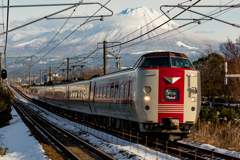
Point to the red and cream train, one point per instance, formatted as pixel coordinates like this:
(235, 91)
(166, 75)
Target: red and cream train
(161, 94)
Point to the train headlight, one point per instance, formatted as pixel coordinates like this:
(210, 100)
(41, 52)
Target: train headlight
(147, 98)
(147, 89)
(193, 99)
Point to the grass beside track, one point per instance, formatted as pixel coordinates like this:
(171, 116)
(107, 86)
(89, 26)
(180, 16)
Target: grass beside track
(221, 135)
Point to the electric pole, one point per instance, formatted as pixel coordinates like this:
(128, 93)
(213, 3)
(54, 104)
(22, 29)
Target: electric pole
(33, 77)
(50, 74)
(68, 68)
(29, 76)
(40, 77)
(105, 51)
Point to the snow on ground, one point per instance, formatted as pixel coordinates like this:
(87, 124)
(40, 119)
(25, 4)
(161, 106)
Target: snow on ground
(107, 143)
(114, 144)
(22, 145)
(210, 147)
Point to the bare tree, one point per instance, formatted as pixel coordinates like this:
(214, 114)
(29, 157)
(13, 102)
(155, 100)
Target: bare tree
(231, 51)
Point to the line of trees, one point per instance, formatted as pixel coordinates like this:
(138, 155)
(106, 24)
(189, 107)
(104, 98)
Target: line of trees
(5, 107)
(211, 66)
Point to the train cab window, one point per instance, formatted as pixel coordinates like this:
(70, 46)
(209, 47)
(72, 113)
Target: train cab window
(112, 91)
(108, 91)
(72, 94)
(116, 91)
(181, 62)
(104, 92)
(121, 91)
(125, 90)
(97, 92)
(155, 62)
(100, 92)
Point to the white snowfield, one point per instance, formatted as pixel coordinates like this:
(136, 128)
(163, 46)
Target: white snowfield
(22, 145)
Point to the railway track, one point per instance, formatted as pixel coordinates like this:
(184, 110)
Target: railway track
(71, 145)
(176, 149)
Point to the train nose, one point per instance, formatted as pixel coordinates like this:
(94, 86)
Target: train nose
(171, 97)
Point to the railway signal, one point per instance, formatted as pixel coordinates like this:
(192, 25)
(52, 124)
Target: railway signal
(4, 73)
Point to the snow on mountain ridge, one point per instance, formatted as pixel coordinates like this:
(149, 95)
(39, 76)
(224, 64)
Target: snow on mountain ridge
(139, 11)
(116, 28)
(17, 37)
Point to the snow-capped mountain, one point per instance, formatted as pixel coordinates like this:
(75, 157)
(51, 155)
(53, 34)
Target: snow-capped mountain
(116, 29)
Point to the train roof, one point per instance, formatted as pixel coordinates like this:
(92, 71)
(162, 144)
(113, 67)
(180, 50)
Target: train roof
(165, 53)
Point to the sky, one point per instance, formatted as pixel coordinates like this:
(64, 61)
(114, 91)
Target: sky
(212, 29)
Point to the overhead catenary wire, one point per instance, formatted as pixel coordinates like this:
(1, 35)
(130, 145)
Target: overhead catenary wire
(226, 10)
(5, 48)
(149, 22)
(155, 27)
(57, 32)
(151, 37)
(71, 33)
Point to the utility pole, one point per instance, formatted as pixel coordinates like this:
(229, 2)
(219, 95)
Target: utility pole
(26, 82)
(50, 74)
(40, 77)
(104, 57)
(68, 68)
(33, 77)
(105, 51)
(29, 76)
(22, 78)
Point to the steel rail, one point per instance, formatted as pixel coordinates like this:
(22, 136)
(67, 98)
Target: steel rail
(50, 136)
(173, 147)
(85, 144)
(217, 154)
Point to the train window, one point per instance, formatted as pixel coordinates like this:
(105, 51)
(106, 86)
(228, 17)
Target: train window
(137, 63)
(100, 92)
(104, 92)
(116, 91)
(96, 92)
(112, 91)
(74, 94)
(181, 62)
(121, 90)
(155, 62)
(108, 91)
(125, 90)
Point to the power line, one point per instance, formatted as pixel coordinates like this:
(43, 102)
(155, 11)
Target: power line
(71, 33)
(179, 28)
(57, 32)
(156, 27)
(150, 22)
(6, 36)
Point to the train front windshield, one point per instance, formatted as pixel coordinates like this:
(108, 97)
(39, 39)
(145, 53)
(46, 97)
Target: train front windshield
(156, 62)
(153, 62)
(181, 62)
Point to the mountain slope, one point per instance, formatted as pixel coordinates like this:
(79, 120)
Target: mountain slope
(113, 29)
